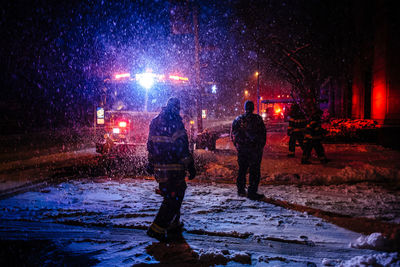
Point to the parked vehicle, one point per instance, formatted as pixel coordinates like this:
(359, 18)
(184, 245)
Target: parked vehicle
(128, 104)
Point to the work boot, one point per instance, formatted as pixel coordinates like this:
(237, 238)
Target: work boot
(305, 161)
(175, 234)
(290, 155)
(242, 193)
(255, 196)
(159, 236)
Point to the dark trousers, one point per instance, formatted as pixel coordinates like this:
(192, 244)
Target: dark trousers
(170, 210)
(309, 144)
(249, 159)
(292, 141)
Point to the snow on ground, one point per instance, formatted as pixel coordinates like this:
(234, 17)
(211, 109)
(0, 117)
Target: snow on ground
(52, 158)
(357, 200)
(209, 210)
(382, 259)
(371, 241)
(20, 172)
(362, 180)
(349, 162)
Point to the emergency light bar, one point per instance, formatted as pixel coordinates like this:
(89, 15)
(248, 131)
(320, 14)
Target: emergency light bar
(146, 79)
(122, 75)
(178, 78)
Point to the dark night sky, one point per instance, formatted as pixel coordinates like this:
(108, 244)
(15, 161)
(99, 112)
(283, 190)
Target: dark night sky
(55, 54)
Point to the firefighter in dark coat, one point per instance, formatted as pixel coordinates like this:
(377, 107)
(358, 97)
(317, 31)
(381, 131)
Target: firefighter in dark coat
(248, 134)
(169, 158)
(313, 137)
(296, 128)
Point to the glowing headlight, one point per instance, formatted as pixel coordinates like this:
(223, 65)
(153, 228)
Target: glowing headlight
(146, 79)
(122, 124)
(116, 130)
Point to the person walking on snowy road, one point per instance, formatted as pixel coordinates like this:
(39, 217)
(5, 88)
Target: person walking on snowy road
(169, 158)
(248, 134)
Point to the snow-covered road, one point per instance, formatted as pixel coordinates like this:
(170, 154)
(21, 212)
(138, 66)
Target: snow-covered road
(107, 220)
(101, 219)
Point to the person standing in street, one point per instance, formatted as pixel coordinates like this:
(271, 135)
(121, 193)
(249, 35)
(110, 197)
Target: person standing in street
(248, 134)
(296, 128)
(169, 158)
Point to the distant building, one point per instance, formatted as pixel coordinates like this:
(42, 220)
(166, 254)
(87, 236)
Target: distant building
(375, 90)
(376, 73)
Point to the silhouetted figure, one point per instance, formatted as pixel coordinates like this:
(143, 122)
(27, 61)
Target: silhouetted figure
(248, 134)
(169, 158)
(296, 128)
(313, 137)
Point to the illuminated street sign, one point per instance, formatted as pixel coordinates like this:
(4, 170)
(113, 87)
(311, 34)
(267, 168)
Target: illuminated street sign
(100, 115)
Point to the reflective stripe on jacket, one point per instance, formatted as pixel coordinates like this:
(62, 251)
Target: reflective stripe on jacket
(297, 125)
(314, 130)
(167, 146)
(167, 139)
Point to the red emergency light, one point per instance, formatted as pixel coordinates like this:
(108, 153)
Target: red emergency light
(122, 124)
(122, 75)
(178, 78)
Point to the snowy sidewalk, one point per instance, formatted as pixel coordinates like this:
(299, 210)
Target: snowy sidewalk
(107, 219)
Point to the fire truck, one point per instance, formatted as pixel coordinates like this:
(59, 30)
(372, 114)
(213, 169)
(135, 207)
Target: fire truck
(275, 110)
(129, 102)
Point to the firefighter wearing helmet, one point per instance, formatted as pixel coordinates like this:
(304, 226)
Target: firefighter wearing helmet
(169, 158)
(296, 128)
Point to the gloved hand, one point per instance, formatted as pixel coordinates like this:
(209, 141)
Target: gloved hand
(192, 173)
(150, 168)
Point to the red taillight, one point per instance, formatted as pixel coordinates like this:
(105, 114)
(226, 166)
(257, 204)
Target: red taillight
(122, 124)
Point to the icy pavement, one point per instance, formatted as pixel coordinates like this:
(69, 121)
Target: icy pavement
(106, 220)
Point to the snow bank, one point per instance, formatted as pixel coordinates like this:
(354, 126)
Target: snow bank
(363, 172)
(354, 172)
(203, 157)
(383, 259)
(217, 171)
(217, 256)
(280, 260)
(212, 255)
(372, 241)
